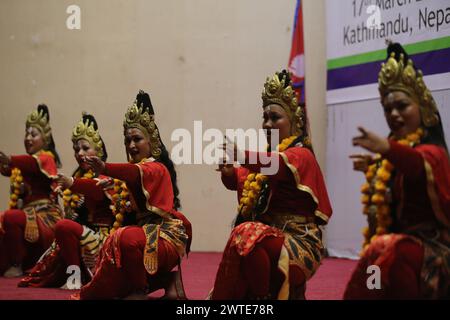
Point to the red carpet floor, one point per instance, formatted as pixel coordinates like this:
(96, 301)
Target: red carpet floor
(198, 277)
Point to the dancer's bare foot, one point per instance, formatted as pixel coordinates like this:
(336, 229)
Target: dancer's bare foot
(14, 272)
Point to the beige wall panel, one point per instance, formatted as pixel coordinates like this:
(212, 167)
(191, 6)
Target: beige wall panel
(199, 59)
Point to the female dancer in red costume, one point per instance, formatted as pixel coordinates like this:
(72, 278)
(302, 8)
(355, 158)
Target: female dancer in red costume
(276, 244)
(138, 258)
(27, 228)
(407, 194)
(88, 216)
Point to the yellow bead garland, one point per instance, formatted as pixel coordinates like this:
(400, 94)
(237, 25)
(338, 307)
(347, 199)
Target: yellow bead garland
(375, 196)
(72, 200)
(120, 203)
(17, 185)
(253, 184)
(16, 195)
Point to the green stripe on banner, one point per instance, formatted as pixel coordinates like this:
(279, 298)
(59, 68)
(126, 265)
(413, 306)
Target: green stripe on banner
(414, 48)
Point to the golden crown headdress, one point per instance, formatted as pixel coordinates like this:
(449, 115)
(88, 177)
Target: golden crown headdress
(39, 120)
(85, 130)
(400, 76)
(280, 92)
(138, 117)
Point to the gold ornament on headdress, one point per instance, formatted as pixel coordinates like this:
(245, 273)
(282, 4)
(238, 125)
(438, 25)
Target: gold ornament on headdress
(275, 93)
(142, 120)
(398, 76)
(39, 120)
(86, 131)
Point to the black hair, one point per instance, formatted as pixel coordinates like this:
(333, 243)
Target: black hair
(51, 145)
(304, 139)
(91, 120)
(435, 135)
(284, 75)
(164, 158)
(143, 100)
(398, 50)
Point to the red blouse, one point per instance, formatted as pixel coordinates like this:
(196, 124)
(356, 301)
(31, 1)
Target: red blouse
(149, 182)
(297, 187)
(37, 171)
(421, 185)
(96, 200)
(151, 187)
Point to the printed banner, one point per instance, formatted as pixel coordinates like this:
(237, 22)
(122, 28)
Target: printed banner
(357, 31)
